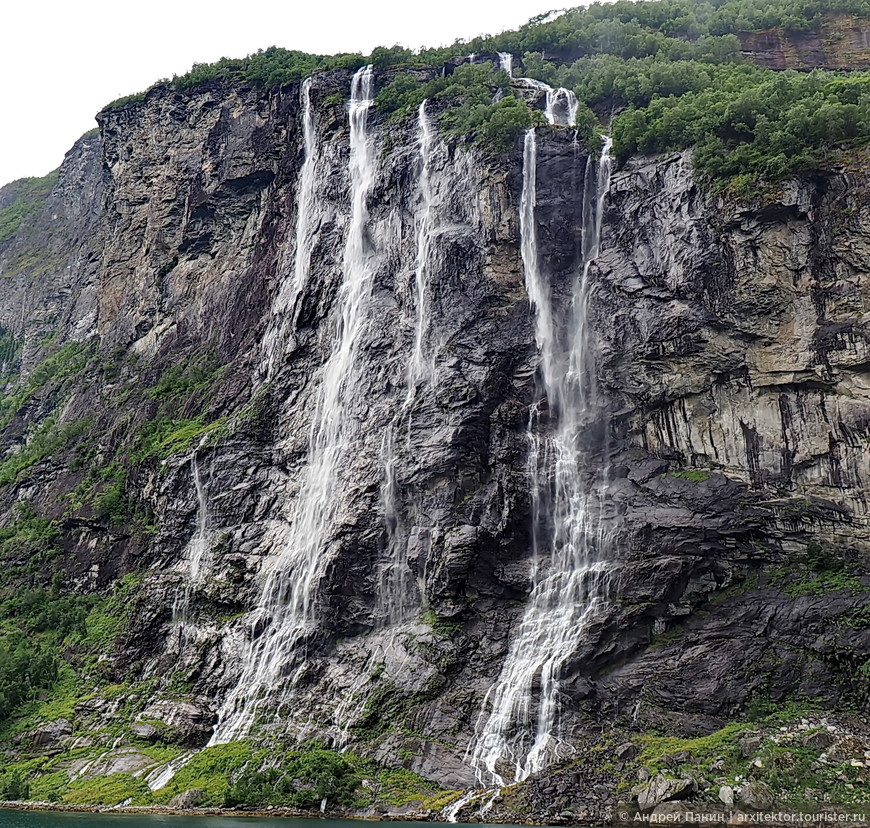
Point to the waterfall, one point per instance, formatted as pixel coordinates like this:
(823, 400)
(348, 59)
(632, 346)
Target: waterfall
(285, 613)
(421, 364)
(561, 104)
(196, 550)
(506, 63)
(397, 595)
(199, 544)
(285, 301)
(305, 197)
(562, 107)
(571, 562)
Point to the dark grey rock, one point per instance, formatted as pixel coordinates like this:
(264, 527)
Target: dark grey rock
(187, 799)
(51, 735)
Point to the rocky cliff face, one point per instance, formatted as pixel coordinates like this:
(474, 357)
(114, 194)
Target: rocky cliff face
(839, 42)
(731, 348)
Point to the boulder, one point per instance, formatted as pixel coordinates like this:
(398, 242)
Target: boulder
(51, 735)
(756, 795)
(145, 731)
(846, 748)
(817, 739)
(627, 751)
(122, 760)
(749, 746)
(184, 723)
(188, 799)
(663, 788)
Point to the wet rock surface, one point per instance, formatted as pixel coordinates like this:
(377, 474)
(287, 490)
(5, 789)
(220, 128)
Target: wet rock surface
(732, 350)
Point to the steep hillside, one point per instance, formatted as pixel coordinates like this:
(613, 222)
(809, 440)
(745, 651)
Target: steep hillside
(383, 435)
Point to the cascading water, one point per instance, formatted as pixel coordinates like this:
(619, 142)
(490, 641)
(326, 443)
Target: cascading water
(506, 63)
(199, 545)
(285, 611)
(290, 289)
(568, 475)
(561, 104)
(421, 365)
(395, 591)
(397, 596)
(196, 551)
(562, 107)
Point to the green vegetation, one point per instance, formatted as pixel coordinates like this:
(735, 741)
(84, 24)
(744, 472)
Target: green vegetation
(13, 786)
(657, 750)
(46, 440)
(693, 475)
(266, 68)
(302, 780)
(47, 635)
(165, 436)
(108, 790)
(10, 352)
(179, 382)
(776, 756)
(824, 583)
(60, 365)
(230, 775)
(753, 123)
(817, 572)
(630, 29)
(30, 194)
(211, 771)
(482, 104)
(180, 390)
(673, 72)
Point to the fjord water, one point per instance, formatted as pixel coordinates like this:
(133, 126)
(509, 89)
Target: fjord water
(571, 562)
(64, 819)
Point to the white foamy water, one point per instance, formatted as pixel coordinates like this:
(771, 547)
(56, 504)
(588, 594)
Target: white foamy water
(573, 560)
(561, 104)
(285, 612)
(285, 302)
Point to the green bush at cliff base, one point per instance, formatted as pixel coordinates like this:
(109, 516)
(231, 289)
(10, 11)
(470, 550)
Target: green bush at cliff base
(211, 771)
(303, 779)
(46, 637)
(108, 790)
(14, 787)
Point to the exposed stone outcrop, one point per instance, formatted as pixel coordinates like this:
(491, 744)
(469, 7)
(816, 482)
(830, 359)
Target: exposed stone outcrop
(732, 349)
(840, 41)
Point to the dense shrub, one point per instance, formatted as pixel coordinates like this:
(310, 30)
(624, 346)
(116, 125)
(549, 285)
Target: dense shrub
(302, 780)
(762, 123)
(667, 73)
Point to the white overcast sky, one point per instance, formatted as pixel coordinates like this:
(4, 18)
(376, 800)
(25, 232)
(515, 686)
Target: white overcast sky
(62, 60)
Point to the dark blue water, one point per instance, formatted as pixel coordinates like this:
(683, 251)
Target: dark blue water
(63, 819)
